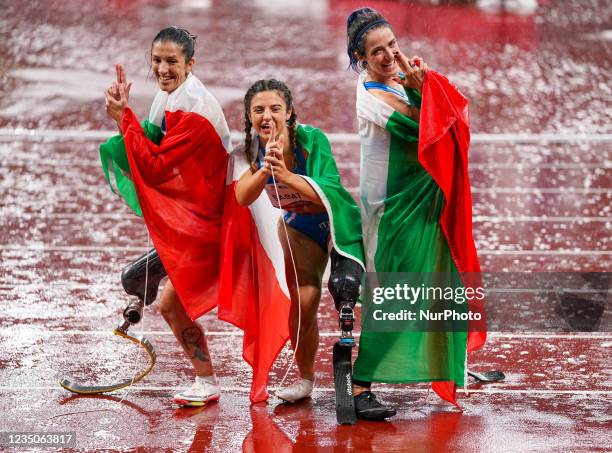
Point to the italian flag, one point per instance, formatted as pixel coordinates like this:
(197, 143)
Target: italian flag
(173, 170)
(417, 215)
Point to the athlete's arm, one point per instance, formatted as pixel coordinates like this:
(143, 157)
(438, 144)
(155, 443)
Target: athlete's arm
(397, 104)
(274, 157)
(250, 185)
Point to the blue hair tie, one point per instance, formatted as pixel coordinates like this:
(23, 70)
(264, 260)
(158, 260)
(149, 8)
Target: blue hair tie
(353, 45)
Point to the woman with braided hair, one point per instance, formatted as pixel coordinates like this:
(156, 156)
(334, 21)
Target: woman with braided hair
(293, 163)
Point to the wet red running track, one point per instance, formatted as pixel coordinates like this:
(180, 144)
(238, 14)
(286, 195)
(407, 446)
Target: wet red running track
(541, 170)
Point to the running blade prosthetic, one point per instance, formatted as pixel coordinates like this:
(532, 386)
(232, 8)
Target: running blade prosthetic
(95, 389)
(343, 369)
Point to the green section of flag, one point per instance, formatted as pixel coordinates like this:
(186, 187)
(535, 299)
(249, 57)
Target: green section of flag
(117, 169)
(410, 240)
(345, 215)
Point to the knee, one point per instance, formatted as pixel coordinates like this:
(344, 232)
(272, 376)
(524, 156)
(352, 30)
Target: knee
(168, 304)
(309, 306)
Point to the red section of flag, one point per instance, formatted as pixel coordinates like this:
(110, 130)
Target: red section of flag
(250, 295)
(180, 186)
(444, 138)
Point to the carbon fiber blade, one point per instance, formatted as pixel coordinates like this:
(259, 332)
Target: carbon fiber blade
(96, 389)
(343, 383)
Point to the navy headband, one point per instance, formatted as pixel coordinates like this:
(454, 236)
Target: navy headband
(353, 45)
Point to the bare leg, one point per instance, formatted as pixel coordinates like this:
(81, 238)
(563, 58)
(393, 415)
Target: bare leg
(189, 334)
(310, 261)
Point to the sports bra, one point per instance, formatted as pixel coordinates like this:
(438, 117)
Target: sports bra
(381, 86)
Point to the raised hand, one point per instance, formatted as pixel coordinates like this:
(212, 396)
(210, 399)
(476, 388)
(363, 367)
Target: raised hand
(122, 80)
(414, 70)
(116, 105)
(275, 160)
(117, 95)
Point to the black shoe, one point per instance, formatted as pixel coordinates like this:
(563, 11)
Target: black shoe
(368, 408)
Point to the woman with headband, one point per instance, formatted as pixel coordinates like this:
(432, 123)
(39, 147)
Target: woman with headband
(294, 165)
(416, 208)
(173, 171)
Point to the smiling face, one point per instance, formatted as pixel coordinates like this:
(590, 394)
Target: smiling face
(169, 66)
(379, 55)
(268, 107)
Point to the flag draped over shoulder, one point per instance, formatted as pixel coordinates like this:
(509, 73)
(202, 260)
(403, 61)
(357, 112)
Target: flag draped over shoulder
(207, 243)
(323, 176)
(417, 218)
(180, 185)
(444, 139)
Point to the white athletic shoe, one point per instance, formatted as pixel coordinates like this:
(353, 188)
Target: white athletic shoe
(296, 391)
(203, 390)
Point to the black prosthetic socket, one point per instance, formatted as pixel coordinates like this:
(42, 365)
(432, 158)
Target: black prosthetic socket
(133, 279)
(344, 281)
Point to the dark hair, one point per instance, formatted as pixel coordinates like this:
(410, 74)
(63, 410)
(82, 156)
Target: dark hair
(359, 23)
(179, 36)
(258, 87)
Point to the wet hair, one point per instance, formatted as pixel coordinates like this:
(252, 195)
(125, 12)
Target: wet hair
(259, 87)
(180, 37)
(358, 25)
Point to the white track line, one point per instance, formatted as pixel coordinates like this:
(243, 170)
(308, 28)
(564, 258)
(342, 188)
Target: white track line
(115, 286)
(103, 190)
(95, 163)
(528, 190)
(539, 166)
(544, 252)
(121, 249)
(543, 219)
(380, 388)
(238, 333)
(336, 137)
(127, 216)
(542, 190)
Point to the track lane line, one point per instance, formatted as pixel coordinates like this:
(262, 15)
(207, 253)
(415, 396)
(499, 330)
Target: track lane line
(334, 137)
(120, 249)
(239, 333)
(380, 388)
(128, 216)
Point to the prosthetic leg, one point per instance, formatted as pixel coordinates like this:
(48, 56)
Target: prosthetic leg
(134, 278)
(136, 281)
(344, 283)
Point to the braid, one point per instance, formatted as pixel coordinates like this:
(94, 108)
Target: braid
(248, 139)
(248, 97)
(292, 125)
